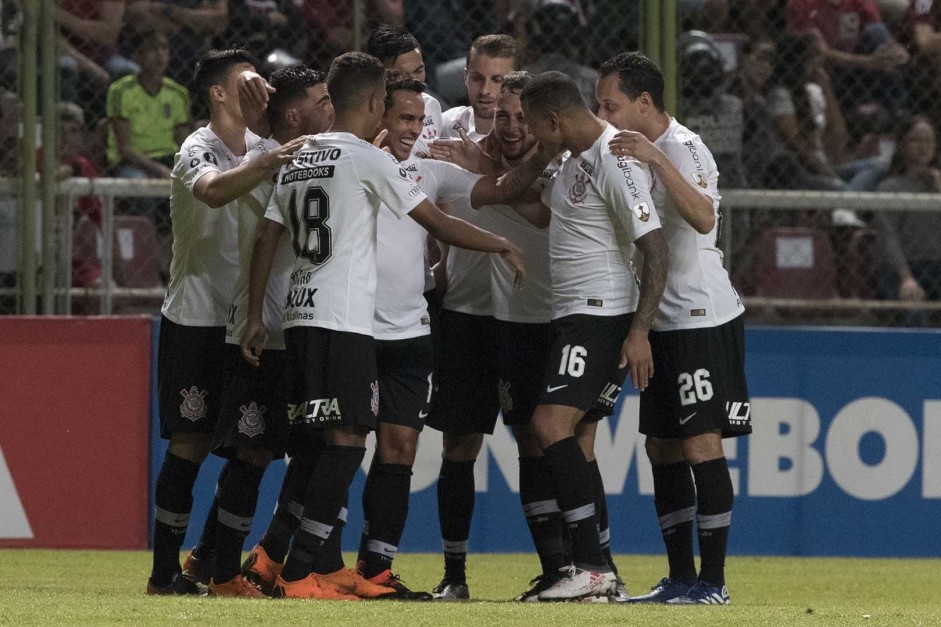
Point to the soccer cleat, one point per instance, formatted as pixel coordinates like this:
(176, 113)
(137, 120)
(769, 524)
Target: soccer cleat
(238, 586)
(351, 581)
(617, 595)
(703, 593)
(196, 569)
(580, 583)
(665, 590)
(179, 585)
(261, 570)
(537, 585)
(451, 591)
(389, 579)
(310, 587)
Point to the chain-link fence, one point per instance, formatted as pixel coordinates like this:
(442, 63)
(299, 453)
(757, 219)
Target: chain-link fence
(830, 97)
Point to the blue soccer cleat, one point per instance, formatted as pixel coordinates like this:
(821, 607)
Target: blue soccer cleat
(664, 592)
(703, 593)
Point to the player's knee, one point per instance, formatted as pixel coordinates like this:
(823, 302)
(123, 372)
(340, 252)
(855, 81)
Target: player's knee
(462, 448)
(397, 449)
(703, 448)
(526, 441)
(661, 452)
(255, 456)
(192, 447)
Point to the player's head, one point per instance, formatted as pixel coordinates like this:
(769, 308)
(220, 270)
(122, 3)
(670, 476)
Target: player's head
(357, 85)
(216, 78)
(489, 59)
(552, 106)
(300, 104)
(630, 87)
(405, 113)
(397, 49)
(151, 51)
(509, 126)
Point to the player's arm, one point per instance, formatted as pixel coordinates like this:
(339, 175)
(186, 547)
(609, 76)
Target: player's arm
(457, 232)
(695, 207)
(636, 352)
(491, 190)
(266, 245)
(217, 189)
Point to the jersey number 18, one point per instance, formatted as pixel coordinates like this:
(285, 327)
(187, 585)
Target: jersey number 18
(313, 242)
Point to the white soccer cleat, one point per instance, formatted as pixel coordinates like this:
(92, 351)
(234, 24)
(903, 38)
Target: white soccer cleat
(576, 583)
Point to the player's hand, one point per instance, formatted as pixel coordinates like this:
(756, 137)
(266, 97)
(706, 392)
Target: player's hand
(468, 154)
(636, 355)
(254, 90)
(634, 144)
(380, 137)
(253, 342)
(440, 272)
(514, 257)
(274, 159)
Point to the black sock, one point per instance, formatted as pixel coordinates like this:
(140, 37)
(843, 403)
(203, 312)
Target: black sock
(543, 516)
(327, 491)
(207, 539)
(238, 496)
(713, 517)
(329, 559)
(675, 500)
(290, 507)
(573, 489)
(455, 510)
(385, 508)
(173, 501)
(601, 512)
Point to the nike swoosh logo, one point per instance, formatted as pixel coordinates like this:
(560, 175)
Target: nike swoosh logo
(550, 389)
(422, 415)
(683, 421)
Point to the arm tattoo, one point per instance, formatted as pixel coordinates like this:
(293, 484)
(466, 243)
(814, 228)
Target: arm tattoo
(653, 279)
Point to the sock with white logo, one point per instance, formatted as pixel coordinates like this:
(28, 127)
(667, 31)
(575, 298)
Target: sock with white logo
(713, 517)
(330, 558)
(238, 495)
(573, 489)
(542, 512)
(385, 508)
(207, 540)
(601, 512)
(290, 507)
(675, 500)
(173, 501)
(455, 510)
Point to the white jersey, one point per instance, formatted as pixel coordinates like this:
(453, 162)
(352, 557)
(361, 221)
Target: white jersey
(401, 309)
(600, 205)
(431, 126)
(698, 292)
(532, 304)
(251, 208)
(463, 117)
(328, 198)
(205, 247)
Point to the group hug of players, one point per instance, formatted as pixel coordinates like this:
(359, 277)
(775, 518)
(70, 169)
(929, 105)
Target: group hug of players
(575, 251)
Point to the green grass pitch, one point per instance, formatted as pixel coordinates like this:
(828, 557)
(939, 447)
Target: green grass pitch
(98, 587)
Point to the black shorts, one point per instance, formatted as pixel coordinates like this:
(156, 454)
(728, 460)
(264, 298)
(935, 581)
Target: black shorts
(331, 381)
(522, 352)
(189, 377)
(699, 383)
(465, 397)
(584, 358)
(254, 413)
(405, 380)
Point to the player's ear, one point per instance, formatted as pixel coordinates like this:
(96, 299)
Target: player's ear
(291, 117)
(217, 93)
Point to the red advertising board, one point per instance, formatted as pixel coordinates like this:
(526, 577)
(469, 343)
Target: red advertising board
(74, 430)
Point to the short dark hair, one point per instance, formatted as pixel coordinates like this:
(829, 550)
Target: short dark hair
(352, 75)
(387, 42)
(291, 84)
(397, 80)
(636, 74)
(496, 46)
(516, 81)
(552, 91)
(215, 64)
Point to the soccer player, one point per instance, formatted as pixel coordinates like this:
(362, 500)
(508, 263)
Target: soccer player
(328, 199)
(600, 204)
(699, 394)
(252, 426)
(206, 180)
(403, 341)
(466, 400)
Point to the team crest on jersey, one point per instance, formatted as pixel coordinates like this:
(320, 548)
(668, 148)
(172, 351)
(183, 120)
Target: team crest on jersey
(252, 422)
(374, 402)
(642, 211)
(700, 180)
(506, 400)
(193, 407)
(579, 188)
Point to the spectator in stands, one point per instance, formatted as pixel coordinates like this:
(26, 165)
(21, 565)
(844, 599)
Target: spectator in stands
(149, 116)
(331, 25)
(856, 43)
(909, 240)
(923, 33)
(189, 24)
(263, 26)
(555, 33)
